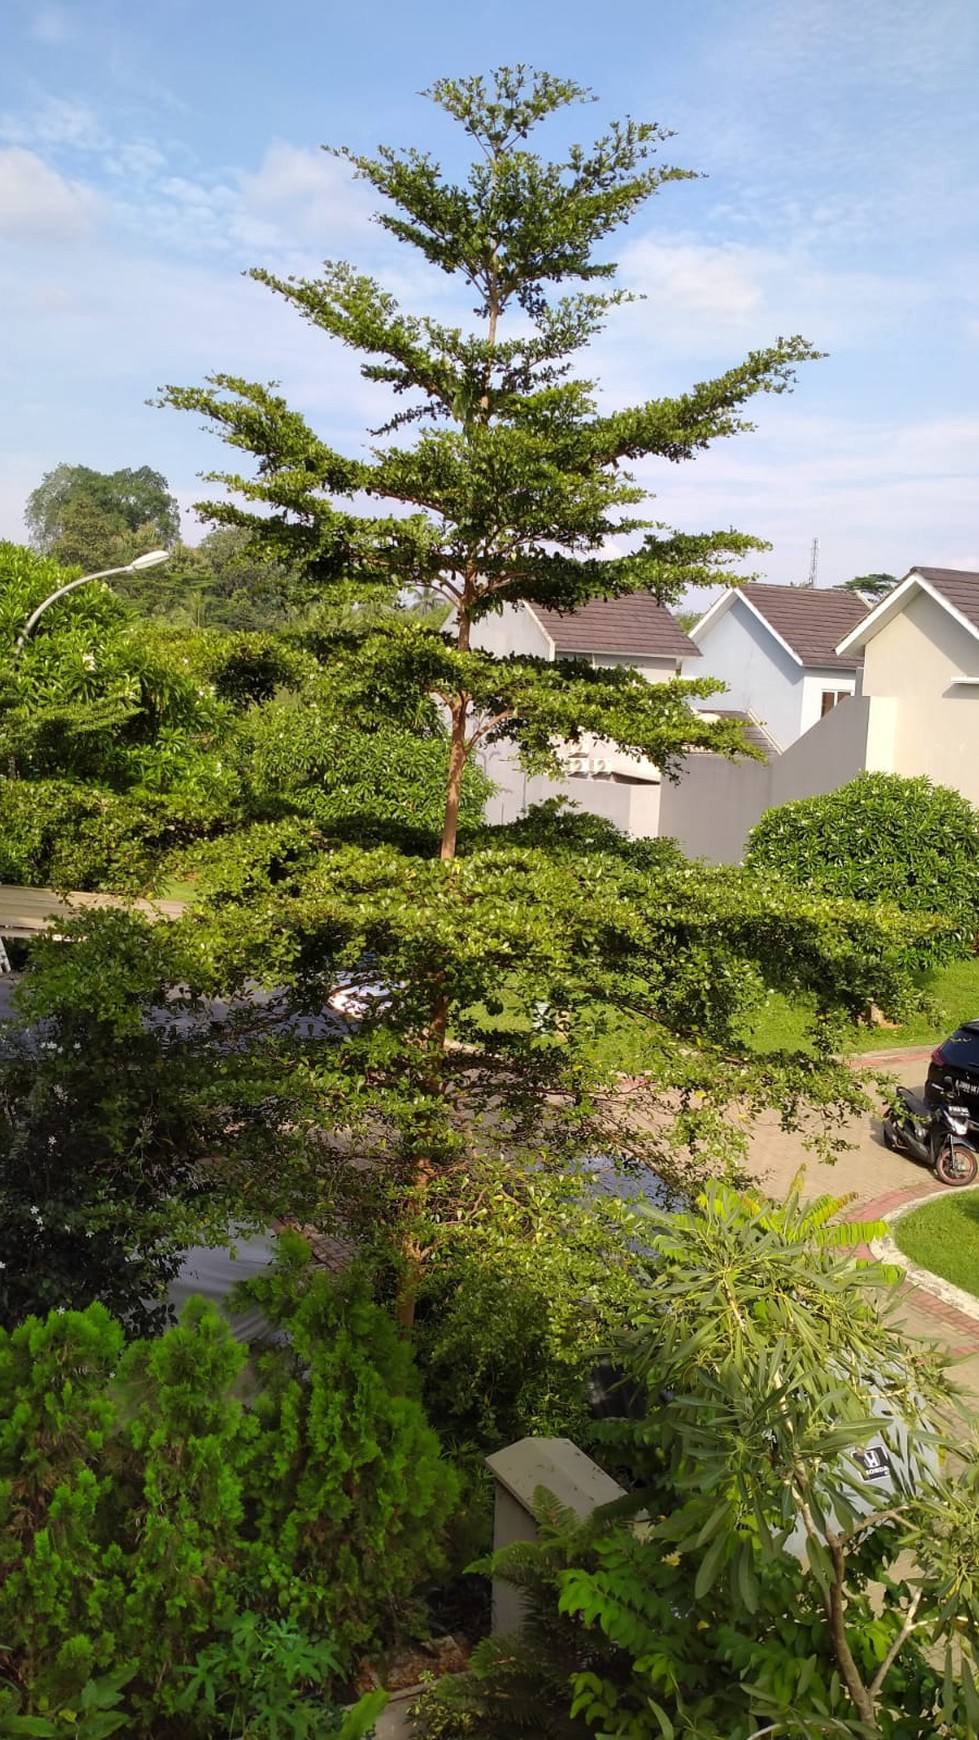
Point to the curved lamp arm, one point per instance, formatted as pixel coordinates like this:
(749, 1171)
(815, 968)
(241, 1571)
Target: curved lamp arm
(151, 559)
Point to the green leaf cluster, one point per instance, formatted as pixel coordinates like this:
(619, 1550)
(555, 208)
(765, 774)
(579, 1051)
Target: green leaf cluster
(753, 1575)
(237, 1559)
(882, 837)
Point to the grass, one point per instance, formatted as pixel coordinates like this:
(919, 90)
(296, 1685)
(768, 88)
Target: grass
(179, 891)
(781, 1023)
(954, 990)
(943, 1237)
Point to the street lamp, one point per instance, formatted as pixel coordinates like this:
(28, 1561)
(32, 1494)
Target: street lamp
(152, 559)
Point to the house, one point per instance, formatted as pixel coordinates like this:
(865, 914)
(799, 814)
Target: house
(775, 648)
(915, 711)
(634, 630)
(920, 649)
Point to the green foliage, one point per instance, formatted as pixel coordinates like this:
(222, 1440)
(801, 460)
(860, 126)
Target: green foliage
(132, 743)
(264, 1682)
(66, 835)
(219, 583)
(515, 484)
(228, 1562)
(732, 1587)
(882, 838)
(92, 1715)
(346, 1472)
(872, 587)
(106, 1117)
(101, 519)
(528, 1281)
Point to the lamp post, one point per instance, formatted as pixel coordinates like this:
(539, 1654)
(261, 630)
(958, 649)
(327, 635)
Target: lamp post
(152, 559)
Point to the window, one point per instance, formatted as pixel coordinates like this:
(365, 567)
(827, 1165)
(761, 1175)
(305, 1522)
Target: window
(830, 699)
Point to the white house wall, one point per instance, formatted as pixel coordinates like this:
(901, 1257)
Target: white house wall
(915, 661)
(760, 676)
(716, 802)
(814, 686)
(633, 808)
(514, 630)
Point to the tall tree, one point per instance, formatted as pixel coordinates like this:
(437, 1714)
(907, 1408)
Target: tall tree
(873, 587)
(500, 479)
(517, 482)
(101, 518)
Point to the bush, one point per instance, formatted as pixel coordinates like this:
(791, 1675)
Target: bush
(59, 834)
(149, 1519)
(104, 1129)
(882, 838)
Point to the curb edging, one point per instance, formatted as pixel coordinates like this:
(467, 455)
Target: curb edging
(886, 1251)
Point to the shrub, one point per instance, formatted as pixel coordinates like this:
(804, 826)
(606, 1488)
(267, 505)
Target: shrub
(150, 1520)
(881, 838)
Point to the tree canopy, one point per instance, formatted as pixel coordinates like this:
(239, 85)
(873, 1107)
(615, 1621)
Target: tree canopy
(516, 479)
(872, 587)
(101, 519)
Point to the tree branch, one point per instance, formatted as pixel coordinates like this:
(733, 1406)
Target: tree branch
(481, 730)
(896, 1647)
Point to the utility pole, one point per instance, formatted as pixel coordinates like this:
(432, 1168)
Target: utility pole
(813, 562)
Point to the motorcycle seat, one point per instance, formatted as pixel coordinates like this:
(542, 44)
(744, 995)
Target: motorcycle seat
(918, 1107)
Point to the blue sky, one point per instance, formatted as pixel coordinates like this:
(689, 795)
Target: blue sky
(150, 153)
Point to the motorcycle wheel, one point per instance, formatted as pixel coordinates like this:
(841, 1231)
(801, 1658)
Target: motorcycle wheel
(956, 1163)
(890, 1136)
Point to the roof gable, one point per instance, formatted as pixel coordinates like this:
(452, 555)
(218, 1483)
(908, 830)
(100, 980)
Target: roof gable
(808, 623)
(636, 626)
(956, 590)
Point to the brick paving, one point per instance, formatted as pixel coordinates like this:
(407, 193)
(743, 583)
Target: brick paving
(880, 1182)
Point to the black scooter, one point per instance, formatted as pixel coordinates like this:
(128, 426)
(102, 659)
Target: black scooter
(935, 1136)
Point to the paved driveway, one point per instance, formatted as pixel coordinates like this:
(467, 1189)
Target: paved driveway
(867, 1168)
(879, 1181)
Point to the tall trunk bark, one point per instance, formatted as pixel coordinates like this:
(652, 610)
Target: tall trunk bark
(457, 767)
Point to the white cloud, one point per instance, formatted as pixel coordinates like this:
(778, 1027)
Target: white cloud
(721, 283)
(879, 495)
(38, 204)
(309, 196)
(55, 123)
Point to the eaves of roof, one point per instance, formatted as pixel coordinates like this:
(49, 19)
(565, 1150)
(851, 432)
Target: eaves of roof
(914, 582)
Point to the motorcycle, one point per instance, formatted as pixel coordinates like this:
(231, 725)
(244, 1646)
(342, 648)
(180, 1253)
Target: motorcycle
(935, 1136)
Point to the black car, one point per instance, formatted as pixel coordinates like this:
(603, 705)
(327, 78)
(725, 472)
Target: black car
(953, 1073)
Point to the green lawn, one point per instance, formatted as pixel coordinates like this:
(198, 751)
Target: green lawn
(179, 891)
(954, 989)
(780, 1024)
(943, 1236)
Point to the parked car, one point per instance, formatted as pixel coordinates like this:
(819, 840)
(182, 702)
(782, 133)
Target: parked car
(953, 1073)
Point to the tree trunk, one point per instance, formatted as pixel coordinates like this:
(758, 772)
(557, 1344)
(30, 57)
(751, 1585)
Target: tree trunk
(458, 753)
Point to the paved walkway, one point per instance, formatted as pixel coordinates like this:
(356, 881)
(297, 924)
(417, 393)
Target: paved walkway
(880, 1182)
(26, 912)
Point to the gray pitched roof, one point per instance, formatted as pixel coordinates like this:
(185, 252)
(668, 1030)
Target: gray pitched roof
(958, 586)
(955, 588)
(636, 624)
(811, 622)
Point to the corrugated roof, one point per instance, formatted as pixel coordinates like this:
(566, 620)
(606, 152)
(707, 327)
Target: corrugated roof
(810, 621)
(637, 624)
(755, 732)
(958, 586)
